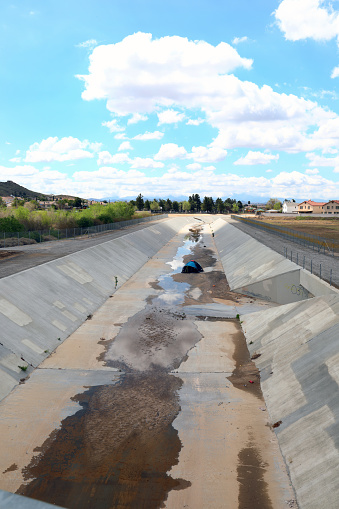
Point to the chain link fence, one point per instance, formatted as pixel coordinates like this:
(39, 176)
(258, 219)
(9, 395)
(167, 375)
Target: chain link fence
(319, 244)
(11, 239)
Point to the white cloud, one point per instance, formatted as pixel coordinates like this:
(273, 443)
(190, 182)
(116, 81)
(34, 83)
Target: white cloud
(238, 40)
(335, 72)
(170, 117)
(146, 163)
(120, 136)
(195, 121)
(15, 159)
(90, 44)
(106, 158)
(207, 155)
(171, 151)
(316, 160)
(125, 145)
(172, 74)
(253, 158)
(156, 135)
(159, 72)
(113, 126)
(65, 149)
(315, 171)
(269, 171)
(302, 19)
(193, 166)
(137, 117)
(209, 168)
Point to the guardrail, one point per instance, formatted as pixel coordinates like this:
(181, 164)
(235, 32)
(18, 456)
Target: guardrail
(315, 242)
(11, 239)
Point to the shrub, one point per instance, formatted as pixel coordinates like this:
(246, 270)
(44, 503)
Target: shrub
(10, 224)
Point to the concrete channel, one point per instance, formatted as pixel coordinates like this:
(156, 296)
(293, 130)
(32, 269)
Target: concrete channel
(140, 391)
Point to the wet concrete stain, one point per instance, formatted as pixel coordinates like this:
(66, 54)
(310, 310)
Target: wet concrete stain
(115, 452)
(253, 493)
(246, 375)
(11, 468)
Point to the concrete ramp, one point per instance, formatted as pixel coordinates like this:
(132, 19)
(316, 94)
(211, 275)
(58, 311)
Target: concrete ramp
(299, 364)
(256, 270)
(42, 306)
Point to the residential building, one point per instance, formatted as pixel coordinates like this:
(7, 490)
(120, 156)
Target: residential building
(310, 207)
(331, 207)
(290, 207)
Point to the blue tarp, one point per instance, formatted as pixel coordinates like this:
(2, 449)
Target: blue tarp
(192, 266)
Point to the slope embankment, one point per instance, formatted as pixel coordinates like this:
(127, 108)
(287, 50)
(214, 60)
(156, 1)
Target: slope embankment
(40, 307)
(295, 347)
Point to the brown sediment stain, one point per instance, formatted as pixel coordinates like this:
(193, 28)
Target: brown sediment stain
(13, 467)
(115, 452)
(245, 370)
(9, 254)
(253, 490)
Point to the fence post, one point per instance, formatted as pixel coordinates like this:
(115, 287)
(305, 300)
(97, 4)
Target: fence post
(18, 240)
(320, 271)
(304, 262)
(331, 277)
(291, 254)
(311, 267)
(297, 259)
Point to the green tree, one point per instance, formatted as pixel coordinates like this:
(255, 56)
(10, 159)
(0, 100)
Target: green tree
(147, 205)
(10, 224)
(271, 204)
(235, 208)
(186, 206)
(175, 206)
(155, 205)
(140, 202)
(2, 203)
(168, 205)
(208, 204)
(219, 205)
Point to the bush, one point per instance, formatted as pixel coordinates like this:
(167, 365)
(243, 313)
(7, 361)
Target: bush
(10, 224)
(85, 222)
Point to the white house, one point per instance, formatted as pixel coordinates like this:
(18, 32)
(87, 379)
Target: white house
(290, 207)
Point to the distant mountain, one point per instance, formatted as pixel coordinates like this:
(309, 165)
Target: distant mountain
(10, 188)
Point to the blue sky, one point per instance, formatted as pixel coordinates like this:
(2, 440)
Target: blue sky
(109, 99)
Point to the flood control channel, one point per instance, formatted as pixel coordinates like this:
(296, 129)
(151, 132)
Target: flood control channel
(153, 402)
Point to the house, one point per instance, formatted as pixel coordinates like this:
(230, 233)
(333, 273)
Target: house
(331, 207)
(8, 200)
(290, 207)
(309, 207)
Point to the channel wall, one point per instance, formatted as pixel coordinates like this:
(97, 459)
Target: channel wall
(296, 348)
(40, 307)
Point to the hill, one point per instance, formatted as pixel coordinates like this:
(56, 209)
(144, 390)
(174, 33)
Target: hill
(10, 188)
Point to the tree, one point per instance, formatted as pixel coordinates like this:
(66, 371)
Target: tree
(186, 206)
(139, 202)
(271, 204)
(175, 206)
(10, 224)
(239, 203)
(18, 203)
(219, 205)
(147, 205)
(208, 204)
(168, 204)
(235, 207)
(2, 203)
(277, 205)
(155, 205)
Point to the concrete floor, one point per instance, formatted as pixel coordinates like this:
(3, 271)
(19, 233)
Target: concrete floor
(150, 403)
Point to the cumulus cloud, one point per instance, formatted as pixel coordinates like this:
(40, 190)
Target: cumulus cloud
(173, 74)
(253, 158)
(238, 40)
(317, 160)
(207, 155)
(105, 157)
(156, 135)
(65, 149)
(146, 163)
(113, 126)
(302, 19)
(193, 166)
(90, 44)
(137, 117)
(125, 145)
(170, 117)
(196, 121)
(335, 72)
(156, 72)
(315, 171)
(171, 151)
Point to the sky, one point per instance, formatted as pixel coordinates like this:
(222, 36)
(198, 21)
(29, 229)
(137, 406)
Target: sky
(109, 99)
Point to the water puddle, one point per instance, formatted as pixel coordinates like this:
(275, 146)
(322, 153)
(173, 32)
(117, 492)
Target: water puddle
(174, 291)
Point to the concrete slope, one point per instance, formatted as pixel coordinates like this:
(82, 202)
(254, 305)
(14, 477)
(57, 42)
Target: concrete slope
(42, 306)
(299, 364)
(256, 270)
